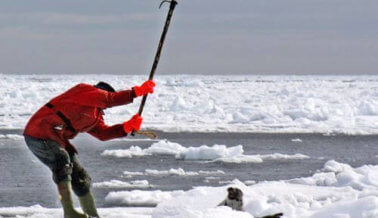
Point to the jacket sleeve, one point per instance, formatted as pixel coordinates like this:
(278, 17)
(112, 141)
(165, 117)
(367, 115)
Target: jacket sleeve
(104, 132)
(120, 98)
(88, 95)
(106, 99)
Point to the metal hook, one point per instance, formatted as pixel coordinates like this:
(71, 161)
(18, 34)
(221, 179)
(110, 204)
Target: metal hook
(169, 1)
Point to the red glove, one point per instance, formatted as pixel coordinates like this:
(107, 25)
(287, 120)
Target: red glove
(133, 124)
(145, 88)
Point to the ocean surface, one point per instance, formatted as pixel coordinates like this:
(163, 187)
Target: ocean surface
(24, 181)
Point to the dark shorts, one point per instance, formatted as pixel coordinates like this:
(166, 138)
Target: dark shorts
(63, 165)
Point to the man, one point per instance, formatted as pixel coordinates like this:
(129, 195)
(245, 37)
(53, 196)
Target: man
(80, 109)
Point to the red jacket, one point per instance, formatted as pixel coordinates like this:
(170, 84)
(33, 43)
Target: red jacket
(83, 107)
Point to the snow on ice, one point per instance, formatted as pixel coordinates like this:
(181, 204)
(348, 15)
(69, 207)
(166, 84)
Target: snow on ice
(296, 140)
(40, 212)
(290, 104)
(214, 153)
(120, 184)
(176, 172)
(338, 190)
(11, 137)
(140, 198)
(300, 104)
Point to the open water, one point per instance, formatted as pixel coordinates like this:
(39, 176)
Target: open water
(24, 181)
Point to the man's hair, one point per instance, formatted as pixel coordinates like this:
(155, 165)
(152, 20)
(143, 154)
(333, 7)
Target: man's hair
(104, 86)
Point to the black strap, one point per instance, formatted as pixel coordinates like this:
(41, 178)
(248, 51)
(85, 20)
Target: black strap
(62, 116)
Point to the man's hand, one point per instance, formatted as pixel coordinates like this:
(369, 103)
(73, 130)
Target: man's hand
(145, 88)
(133, 124)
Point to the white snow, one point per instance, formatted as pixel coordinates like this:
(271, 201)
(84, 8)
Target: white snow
(300, 104)
(172, 171)
(296, 140)
(129, 173)
(39, 212)
(338, 190)
(286, 104)
(250, 182)
(141, 198)
(179, 172)
(211, 172)
(133, 151)
(278, 156)
(11, 137)
(121, 184)
(215, 153)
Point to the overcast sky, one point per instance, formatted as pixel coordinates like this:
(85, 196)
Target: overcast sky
(206, 36)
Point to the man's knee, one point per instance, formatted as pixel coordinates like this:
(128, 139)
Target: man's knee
(63, 167)
(81, 181)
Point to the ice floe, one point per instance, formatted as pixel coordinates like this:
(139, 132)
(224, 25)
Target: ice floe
(11, 137)
(121, 184)
(214, 153)
(237, 103)
(173, 172)
(337, 190)
(40, 212)
(140, 198)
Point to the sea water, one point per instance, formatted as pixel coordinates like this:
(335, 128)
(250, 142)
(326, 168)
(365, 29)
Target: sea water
(26, 182)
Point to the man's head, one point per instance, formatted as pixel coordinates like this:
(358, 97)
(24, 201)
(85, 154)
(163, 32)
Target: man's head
(104, 86)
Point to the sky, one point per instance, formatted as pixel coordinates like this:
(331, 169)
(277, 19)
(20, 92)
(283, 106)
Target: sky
(205, 37)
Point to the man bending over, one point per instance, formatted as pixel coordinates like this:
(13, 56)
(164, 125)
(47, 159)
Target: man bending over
(80, 109)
